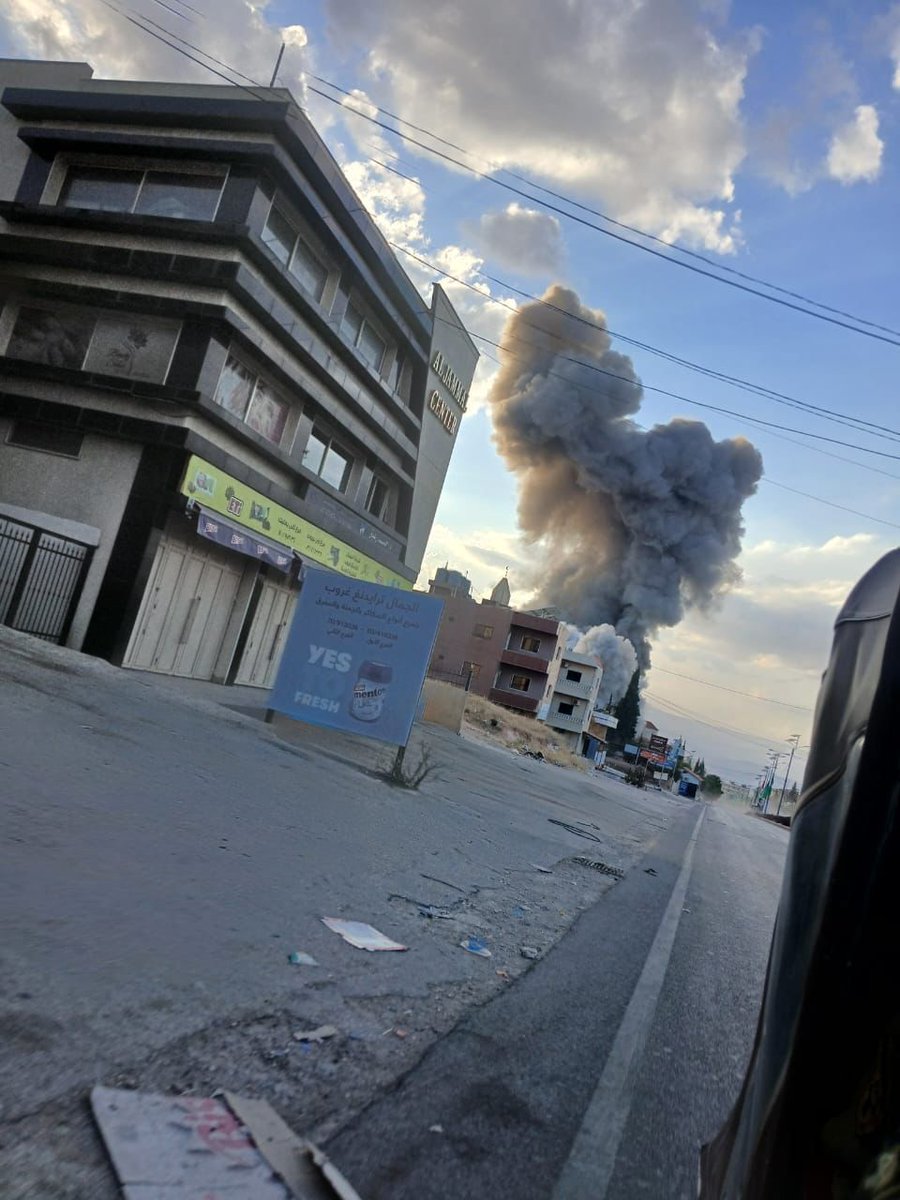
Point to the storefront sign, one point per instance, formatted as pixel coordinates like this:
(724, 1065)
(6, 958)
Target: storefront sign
(222, 493)
(356, 657)
(450, 380)
(659, 744)
(224, 533)
(443, 411)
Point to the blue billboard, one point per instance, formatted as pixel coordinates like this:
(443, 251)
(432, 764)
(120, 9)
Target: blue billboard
(356, 656)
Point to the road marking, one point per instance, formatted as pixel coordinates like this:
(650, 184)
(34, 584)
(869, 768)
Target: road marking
(591, 1162)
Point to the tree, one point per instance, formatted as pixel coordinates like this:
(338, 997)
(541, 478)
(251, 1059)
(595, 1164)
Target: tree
(713, 785)
(628, 711)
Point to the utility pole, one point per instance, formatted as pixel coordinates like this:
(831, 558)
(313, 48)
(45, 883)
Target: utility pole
(277, 65)
(794, 741)
(770, 776)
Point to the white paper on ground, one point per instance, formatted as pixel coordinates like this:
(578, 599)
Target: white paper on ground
(363, 936)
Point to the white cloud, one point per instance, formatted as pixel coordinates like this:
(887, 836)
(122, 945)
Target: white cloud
(854, 155)
(634, 104)
(88, 30)
(482, 554)
(522, 239)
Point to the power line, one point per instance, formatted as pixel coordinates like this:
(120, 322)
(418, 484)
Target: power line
(632, 382)
(832, 504)
(666, 257)
(604, 216)
(734, 691)
(859, 424)
(768, 432)
(672, 709)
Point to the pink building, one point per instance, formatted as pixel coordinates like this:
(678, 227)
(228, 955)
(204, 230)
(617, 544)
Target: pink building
(506, 655)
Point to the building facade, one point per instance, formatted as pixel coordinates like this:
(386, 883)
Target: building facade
(499, 653)
(212, 371)
(570, 698)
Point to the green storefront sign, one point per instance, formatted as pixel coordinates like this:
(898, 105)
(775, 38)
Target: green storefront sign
(223, 494)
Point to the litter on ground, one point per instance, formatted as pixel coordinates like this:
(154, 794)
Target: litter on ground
(185, 1147)
(475, 945)
(363, 936)
(300, 958)
(320, 1034)
(530, 952)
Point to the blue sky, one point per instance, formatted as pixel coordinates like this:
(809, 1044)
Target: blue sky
(762, 135)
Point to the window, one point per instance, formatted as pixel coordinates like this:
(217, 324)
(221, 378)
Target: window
(531, 644)
(126, 346)
(235, 388)
(520, 683)
(566, 709)
(268, 413)
(573, 676)
(51, 439)
(327, 460)
(243, 394)
(279, 235)
(308, 271)
(483, 631)
(377, 498)
(133, 347)
(360, 333)
(291, 249)
(181, 194)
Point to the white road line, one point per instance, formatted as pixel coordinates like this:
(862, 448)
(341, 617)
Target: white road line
(590, 1165)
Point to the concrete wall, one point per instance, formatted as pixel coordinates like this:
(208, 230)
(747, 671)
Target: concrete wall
(22, 73)
(456, 643)
(92, 489)
(436, 443)
(444, 704)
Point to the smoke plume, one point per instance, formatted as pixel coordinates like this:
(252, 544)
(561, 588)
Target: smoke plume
(617, 656)
(632, 526)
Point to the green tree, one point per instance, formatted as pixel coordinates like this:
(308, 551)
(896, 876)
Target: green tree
(628, 711)
(713, 785)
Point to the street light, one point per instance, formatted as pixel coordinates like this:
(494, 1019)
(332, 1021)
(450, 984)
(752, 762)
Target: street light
(793, 741)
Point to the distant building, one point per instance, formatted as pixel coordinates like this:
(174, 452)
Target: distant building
(571, 696)
(501, 593)
(449, 583)
(504, 655)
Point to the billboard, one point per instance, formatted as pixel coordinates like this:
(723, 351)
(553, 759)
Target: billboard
(658, 744)
(221, 493)
(356, 657)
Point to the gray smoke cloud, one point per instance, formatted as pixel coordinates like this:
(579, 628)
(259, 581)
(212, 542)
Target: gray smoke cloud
(616, 653)
(631, 526)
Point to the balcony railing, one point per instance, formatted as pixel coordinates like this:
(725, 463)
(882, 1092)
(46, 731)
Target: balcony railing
(513, 699)
(522, 658)
(569, 687)
(565, 721)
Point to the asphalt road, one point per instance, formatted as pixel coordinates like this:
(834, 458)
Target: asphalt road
(162, 855)
(495, 1108)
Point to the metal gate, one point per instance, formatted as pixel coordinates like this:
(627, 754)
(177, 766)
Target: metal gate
(41, 575)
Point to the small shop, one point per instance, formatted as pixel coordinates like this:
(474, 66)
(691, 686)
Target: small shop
(225, 579)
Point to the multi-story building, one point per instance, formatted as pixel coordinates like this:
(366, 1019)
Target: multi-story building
(449, 583)
(212, 370)
(499, 653)
(570, 697)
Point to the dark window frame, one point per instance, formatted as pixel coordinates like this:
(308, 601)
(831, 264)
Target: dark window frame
(162, 169)
(514, 687)
(529, 637)
(332, 445)
(566, 708)
(45, 435)
(256, 381)
(483, 631)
